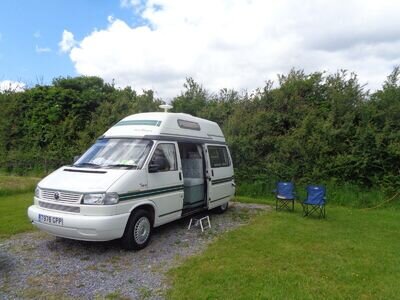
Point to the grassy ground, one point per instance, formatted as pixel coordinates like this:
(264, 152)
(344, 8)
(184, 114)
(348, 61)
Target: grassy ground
(11, 185)
(16, 194)
(13, 214)
(352, 254)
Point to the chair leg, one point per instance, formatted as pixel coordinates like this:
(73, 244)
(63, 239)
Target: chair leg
(313, 209)
(283, 204)
(319, 210)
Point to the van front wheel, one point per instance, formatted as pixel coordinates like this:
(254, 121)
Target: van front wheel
(138, 231)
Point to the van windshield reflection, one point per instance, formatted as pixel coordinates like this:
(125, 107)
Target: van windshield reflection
(116, 153)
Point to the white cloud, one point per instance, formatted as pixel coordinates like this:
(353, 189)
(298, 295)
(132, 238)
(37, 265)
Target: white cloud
(67, 42)
(239, 44)
(9, 85)
(110, 19)
(42, 49)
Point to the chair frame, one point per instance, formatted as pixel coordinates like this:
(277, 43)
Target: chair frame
(283, 204)
(310, 209)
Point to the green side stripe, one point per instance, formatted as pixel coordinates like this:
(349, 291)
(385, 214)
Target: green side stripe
(139, 122)
(153, 192)
(222, 180)
(149, 193)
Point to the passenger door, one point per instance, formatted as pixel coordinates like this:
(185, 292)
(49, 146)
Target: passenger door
(221, 186)
(165, 185)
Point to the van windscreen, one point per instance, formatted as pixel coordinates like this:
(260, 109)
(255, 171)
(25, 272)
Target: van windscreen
(116, 153)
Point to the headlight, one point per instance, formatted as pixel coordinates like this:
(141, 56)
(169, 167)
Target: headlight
(93, 199)
(101, 198)
(38, 192)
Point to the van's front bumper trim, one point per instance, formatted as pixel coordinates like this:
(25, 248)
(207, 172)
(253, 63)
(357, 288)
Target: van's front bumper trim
(79, 227)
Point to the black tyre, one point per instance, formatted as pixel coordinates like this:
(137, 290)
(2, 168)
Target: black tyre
(223, 208)
(138, 230)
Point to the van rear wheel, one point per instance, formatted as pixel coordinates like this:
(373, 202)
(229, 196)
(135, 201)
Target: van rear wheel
(222, 208)
(138, 231)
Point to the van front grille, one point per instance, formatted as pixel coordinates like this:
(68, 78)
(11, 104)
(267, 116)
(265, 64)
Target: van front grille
(73, 209)
(61, 196)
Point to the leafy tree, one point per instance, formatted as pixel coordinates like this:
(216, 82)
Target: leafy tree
(309, 127)
(192, 100)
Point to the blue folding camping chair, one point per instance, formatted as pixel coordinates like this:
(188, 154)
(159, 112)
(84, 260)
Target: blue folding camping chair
(315, 202)
(285, 195)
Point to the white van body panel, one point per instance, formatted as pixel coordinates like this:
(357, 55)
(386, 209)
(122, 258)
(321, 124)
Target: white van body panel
(166, 125)
(160, 192)
(85, 181)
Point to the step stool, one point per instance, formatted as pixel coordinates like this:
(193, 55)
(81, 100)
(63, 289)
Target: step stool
(196, 221)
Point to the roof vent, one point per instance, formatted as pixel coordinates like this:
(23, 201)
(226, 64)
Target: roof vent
(165, 107)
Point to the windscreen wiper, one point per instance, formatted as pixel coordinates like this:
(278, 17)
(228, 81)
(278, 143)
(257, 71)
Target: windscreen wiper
(122, 166)
(87, 164)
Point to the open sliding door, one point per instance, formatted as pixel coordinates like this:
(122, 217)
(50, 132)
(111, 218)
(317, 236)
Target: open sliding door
(220, 181)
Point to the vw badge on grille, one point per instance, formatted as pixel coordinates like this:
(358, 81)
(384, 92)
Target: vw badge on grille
(56, 195)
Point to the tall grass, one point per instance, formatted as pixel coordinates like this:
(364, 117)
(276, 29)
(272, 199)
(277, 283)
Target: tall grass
(348, 195)
(12, 185)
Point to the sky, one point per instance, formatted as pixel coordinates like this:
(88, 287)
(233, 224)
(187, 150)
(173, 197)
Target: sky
(156, 44)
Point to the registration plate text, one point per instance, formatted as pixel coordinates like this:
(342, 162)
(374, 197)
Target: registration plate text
(50, 220)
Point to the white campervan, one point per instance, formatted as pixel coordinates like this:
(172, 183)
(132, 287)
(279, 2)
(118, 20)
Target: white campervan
(145, 171)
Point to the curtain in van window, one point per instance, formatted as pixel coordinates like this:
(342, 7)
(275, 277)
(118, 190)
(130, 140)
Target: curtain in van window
(200, 151)
(170, 155)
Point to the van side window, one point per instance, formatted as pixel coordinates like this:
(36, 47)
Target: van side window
(218, 157)
(165, 157)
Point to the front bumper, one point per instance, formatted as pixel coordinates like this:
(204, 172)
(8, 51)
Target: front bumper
(80, 227)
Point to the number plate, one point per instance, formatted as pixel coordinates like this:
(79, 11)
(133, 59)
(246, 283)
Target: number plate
(50, 220)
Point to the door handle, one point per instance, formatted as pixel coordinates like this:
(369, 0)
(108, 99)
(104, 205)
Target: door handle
(212, 172)
(180, 176)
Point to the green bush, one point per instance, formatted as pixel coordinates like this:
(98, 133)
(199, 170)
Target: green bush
(314, 127)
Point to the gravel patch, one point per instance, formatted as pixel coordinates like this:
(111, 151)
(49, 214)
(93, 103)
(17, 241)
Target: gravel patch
(38, 265)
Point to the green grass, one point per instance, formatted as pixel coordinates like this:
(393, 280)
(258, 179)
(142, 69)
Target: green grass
(11, 185)
(352, 254)
(13, 214)
(16, 195)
